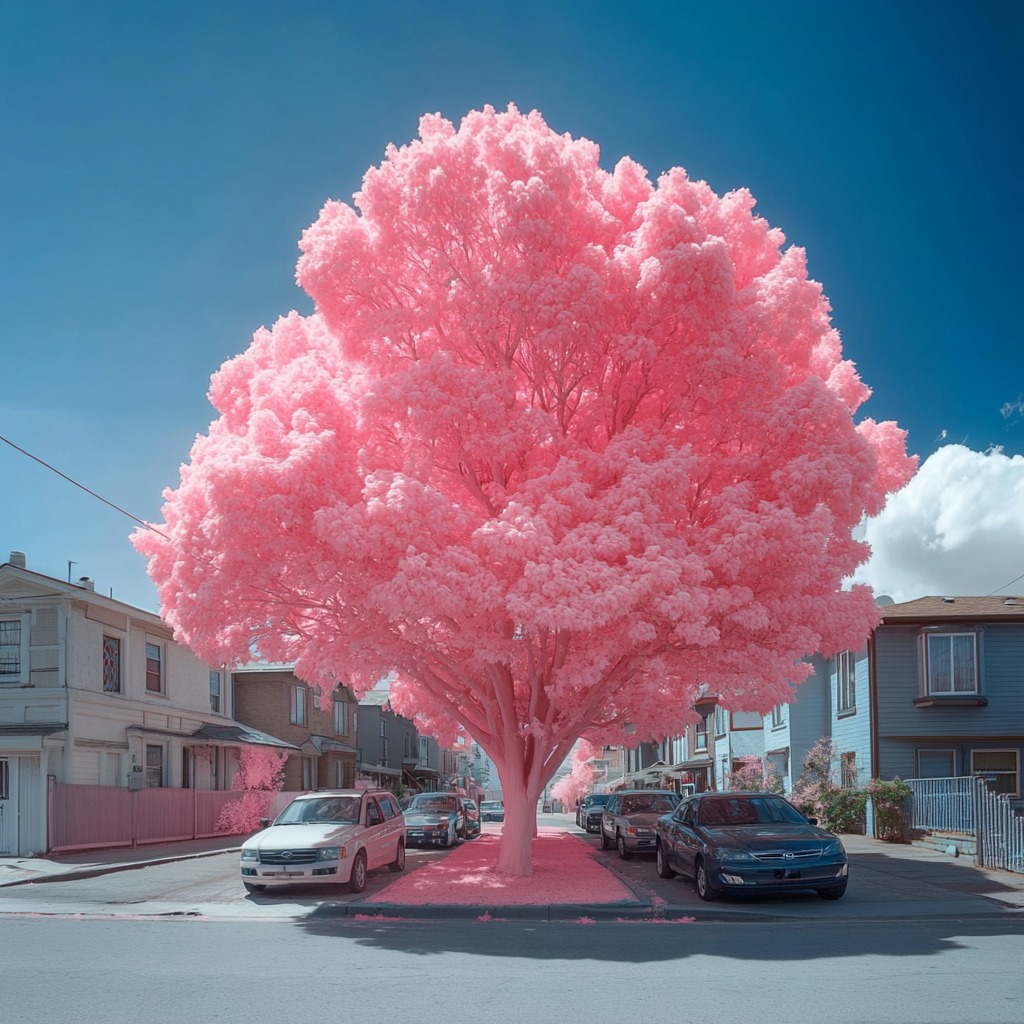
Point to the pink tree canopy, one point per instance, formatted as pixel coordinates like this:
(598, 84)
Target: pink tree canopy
(557, 446)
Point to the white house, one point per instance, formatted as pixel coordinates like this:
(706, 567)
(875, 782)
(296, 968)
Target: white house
(96, 692)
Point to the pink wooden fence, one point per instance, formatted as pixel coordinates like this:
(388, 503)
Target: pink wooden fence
(94, 817)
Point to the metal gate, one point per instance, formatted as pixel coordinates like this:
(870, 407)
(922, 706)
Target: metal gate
(966, 804)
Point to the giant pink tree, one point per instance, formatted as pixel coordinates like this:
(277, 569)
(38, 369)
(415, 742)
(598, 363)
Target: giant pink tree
(558, 445)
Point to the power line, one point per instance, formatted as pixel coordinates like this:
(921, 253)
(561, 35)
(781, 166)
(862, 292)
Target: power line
(82, 487)
(1005, 585)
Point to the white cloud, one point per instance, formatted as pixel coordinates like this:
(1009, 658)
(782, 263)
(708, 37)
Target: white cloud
(956, 529)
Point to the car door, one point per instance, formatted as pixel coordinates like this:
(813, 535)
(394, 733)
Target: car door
(684, 842)
(394, 826)
(375, 835)
(608, 817)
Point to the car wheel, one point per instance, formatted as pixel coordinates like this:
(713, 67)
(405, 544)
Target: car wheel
(605, 845)
(357, 880)
(620, 842)
(833, 892)
(398, 864)
(705, 890)
(253, 887)
(664, 871)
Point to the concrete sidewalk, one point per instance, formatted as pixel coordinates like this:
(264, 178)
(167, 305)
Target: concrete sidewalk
(890, 880)
(89, 863)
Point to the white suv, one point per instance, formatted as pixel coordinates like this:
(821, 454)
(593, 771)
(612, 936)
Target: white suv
(332, 837)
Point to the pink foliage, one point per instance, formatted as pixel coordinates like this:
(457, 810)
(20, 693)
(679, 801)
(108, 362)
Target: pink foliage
(557, 445)
(260, 774)
(580, 779)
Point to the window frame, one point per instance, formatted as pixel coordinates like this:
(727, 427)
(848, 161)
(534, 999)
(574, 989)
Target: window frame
(935, 750)
(216, 694)
(777, 718)
(160, 673)
(297, 708)
(20, 676)
(341, 718)
(160, 768)
(846, 683)
(928, 686)
(1014, 774)
(115, 662)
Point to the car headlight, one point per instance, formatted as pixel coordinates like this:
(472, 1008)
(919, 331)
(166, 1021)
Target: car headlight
(250, 855)
(329, 853)
(732, 853)
(833, 849)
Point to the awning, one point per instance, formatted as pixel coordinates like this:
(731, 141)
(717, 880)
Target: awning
(378, 769)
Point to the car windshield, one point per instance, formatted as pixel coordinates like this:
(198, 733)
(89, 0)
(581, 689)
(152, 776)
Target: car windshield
(335, 810)
(491, 805)
(597, 801)
(653, 803)
(755, 810)
(433, 804)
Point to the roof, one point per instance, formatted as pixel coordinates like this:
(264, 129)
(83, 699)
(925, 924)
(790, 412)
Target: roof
(1003, 608)
(235, 732)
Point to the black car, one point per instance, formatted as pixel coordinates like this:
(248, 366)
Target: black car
(588, 817)
(749, 842)
(435, 818)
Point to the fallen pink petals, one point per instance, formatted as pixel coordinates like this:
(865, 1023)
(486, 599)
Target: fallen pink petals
(564, 872)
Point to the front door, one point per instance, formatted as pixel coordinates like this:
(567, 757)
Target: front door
(8, 806)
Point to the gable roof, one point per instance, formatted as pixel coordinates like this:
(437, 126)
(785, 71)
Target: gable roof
(1003, 608)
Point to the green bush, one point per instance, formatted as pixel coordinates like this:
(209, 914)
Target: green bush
(889, 798)
(844, 809)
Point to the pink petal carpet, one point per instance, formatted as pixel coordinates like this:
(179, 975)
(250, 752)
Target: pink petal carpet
(564, 871)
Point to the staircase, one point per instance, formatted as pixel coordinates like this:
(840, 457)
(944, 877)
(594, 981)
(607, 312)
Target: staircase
(955, 844)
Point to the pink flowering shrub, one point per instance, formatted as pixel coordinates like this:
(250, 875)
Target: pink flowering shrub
(260, 774)
(755, 774)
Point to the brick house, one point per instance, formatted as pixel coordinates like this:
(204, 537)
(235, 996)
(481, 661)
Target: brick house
(271, 698)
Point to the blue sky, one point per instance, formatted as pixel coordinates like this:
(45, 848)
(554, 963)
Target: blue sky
(161, 160)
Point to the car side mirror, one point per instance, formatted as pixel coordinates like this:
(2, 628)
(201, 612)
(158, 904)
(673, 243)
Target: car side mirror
(264, 823)
(813, 821)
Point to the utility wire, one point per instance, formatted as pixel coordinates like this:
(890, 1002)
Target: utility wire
(1005, 585)
(82, 487)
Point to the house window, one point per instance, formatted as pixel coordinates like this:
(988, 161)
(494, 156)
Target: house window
(307, 773)
(935, 764)
(154, 765)
(383, 751)
(340, 781)
(383, 728)
(846, 682)
(214, 690)
(721, 721)
(154, 668)
(848, 770)
(777, 716)
(111, 664)
(424, 751)
(5, 781)
(340, 718)
(298, 715)
(11, 654)
(951, 663)
(700, 741)
(999, 769)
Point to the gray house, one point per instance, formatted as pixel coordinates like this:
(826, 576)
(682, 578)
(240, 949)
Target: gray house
(947, 690)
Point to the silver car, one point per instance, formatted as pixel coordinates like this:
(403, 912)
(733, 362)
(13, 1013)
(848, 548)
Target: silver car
(629, 819)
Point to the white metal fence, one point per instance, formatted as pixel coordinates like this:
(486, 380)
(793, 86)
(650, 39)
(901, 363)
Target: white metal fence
(966, 804)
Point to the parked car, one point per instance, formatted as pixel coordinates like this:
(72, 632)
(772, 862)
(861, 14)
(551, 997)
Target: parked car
(492, 810)
(435, 819)
(588, 815)
(749, 842)
(472, 813)
(333, 837)
(629, 817)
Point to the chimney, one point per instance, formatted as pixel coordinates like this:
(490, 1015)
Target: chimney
(18, 559)
(86, 582)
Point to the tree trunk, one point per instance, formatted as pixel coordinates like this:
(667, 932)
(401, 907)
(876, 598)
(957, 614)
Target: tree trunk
(520, 826)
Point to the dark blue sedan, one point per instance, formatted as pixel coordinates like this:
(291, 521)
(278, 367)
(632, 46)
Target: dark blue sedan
(749, 842)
